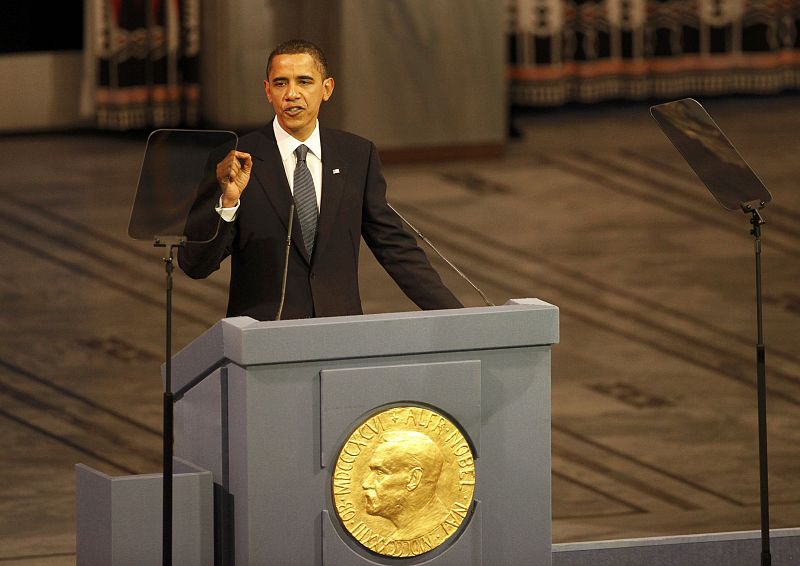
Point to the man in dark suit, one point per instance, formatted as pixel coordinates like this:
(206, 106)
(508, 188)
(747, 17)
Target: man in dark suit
(340, 194)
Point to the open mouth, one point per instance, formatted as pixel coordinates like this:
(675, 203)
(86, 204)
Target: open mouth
(293, 110)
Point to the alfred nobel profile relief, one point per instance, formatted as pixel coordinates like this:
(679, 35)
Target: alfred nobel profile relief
(401, 484)
(403, 481)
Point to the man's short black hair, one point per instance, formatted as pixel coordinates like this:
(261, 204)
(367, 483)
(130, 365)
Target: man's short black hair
(297, 46)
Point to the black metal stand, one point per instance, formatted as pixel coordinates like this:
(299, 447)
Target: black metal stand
(170, 243)
(734, 185)
(766, 558)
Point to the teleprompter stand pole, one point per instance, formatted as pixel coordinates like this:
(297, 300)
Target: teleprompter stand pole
(766, 558)
(170, 243)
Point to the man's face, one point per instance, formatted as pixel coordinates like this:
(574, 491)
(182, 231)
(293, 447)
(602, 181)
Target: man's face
(295, 88)
(385, 486)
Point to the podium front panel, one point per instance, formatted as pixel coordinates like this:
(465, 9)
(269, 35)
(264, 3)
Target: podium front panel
(349, 394)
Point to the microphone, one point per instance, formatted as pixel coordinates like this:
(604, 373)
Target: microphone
(286, 262)
(422, 237)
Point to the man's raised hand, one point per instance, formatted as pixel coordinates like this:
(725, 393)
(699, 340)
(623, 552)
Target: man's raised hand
(233, 174)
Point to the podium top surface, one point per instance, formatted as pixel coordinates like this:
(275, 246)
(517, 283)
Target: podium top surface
(246, 342)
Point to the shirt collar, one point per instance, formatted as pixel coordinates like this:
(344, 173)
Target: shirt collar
(287, 144)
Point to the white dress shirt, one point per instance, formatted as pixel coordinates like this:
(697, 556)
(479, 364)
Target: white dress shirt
(286, 146)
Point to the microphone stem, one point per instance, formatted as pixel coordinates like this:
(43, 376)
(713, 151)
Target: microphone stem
(422, 237)
(286, 262)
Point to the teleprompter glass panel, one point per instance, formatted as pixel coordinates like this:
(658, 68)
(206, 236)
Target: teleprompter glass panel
(178, 176)
(710, 154)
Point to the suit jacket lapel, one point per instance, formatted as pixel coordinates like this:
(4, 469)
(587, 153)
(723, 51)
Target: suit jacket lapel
(334, 172)
(271, 177)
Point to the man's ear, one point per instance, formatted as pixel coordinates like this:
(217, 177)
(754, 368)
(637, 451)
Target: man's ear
(267, 92)
(327, 88)
(414, 477)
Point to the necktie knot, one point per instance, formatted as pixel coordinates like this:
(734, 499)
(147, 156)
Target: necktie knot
(301, 152)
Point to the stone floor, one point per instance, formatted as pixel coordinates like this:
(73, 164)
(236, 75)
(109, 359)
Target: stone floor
(654, 403)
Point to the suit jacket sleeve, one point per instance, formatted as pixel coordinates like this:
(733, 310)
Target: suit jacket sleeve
(397, 250)
(209, 237)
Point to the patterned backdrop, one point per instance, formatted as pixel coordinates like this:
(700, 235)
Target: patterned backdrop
(147, 67)
(591, 50)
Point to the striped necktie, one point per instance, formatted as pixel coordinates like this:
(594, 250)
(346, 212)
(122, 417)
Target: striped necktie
(305, 198)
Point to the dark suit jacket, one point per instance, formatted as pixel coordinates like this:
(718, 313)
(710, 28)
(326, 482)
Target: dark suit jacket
(353, 205)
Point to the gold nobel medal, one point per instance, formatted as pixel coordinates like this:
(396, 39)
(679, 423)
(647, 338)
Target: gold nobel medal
(404, 481)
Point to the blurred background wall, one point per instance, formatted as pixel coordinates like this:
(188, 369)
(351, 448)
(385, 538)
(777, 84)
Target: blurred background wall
(41, 66)
(410, 73)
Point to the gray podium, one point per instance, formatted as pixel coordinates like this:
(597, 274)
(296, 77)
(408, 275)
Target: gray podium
(118, 519)
(267, 406)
